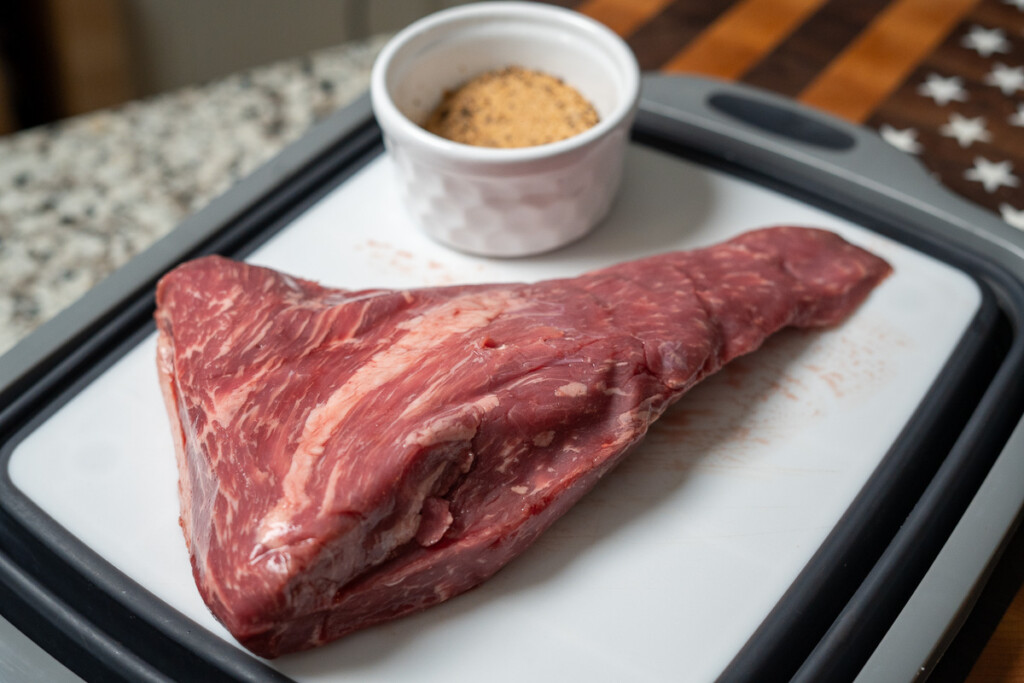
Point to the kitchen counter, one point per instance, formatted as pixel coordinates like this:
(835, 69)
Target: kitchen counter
(81, 197)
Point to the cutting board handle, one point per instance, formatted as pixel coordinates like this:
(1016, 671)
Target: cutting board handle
(786, 122)
(784, 139)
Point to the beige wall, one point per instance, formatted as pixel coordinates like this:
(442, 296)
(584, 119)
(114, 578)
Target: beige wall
(180, 42)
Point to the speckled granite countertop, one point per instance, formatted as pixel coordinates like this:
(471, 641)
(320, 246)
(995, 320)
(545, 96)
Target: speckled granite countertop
(81, 197)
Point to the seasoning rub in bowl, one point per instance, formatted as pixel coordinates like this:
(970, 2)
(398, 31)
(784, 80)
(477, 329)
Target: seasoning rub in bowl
(512, 107)
(505, 201)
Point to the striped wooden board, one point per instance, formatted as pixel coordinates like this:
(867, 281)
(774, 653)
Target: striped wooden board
(939, 79)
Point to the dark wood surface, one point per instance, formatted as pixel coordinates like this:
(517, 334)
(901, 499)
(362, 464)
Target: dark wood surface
(943, 80)
(60, 58)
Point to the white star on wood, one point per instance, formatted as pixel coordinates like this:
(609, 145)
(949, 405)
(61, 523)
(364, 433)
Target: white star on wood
(966, 131)
(986, 41)
(1019, 4)
(1006, 79)
(943, 90)
(992, 175)
(1017, 118)
(904, 140)
(1011, 215)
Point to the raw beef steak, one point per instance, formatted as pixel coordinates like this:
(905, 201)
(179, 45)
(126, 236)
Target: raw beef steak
(350, 457)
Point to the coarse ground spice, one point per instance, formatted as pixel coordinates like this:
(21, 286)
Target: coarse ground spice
(511, 107)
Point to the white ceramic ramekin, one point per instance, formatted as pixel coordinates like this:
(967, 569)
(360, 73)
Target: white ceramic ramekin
(505, 202)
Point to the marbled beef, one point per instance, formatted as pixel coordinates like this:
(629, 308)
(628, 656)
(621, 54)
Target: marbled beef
(347, 457)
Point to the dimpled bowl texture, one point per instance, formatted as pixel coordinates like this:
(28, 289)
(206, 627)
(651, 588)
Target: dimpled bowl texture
(505, 202)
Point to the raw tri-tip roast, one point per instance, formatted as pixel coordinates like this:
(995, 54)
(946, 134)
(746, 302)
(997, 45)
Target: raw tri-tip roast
(347, 457)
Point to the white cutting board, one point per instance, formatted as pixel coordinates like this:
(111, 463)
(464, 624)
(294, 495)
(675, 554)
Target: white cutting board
(664, 570)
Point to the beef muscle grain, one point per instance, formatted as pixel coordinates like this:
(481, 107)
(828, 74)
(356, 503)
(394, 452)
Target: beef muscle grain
(347, 457)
